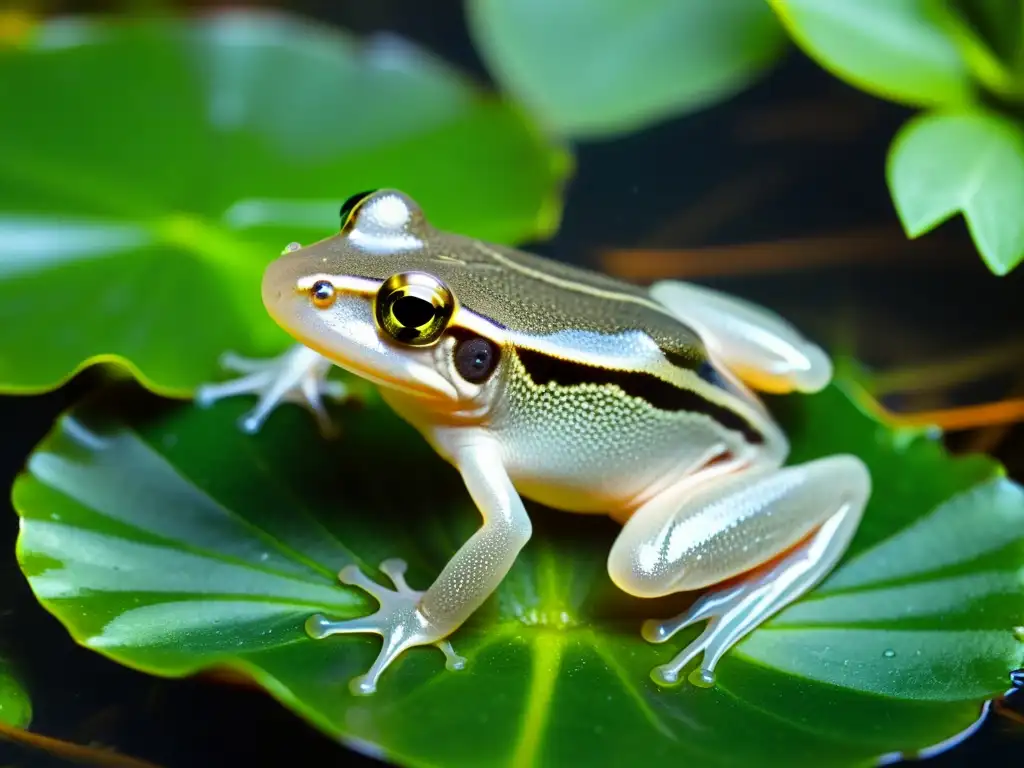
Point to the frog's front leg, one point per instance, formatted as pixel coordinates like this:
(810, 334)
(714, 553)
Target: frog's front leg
(299, 376)
(407, 618)
(770, 534)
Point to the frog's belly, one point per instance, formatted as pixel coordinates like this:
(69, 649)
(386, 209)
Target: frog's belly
(587, 467)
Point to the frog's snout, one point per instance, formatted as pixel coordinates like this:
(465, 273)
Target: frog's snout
(279, 283)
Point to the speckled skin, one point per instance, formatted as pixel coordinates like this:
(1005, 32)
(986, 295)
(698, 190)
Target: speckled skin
(606, 398)
(629, 448)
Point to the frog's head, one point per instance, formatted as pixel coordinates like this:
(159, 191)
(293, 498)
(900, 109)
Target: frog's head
(368, 300)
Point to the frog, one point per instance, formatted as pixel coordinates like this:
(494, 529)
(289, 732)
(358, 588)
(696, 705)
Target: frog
(551, 383)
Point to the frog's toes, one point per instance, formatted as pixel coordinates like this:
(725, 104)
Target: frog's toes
(729, 613)
(398, 620)
(298, 376)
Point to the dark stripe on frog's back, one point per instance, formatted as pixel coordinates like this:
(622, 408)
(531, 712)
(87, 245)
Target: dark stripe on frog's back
(502, 284)
(660, 394)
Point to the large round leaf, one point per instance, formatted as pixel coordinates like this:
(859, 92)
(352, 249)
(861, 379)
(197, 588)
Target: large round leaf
(594, 68)
(164, 538)
(896, 49)
(970, 162)
(150, 170)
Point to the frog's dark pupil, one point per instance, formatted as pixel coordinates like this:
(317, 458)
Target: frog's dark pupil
(352, 202)
(412, 311)
(476, 359)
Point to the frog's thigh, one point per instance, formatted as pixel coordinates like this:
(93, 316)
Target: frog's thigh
(764, 350)
(794, 523)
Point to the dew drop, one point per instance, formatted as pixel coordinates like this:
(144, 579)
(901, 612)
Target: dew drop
(1018, 632)
(889, 653)
(291, 247)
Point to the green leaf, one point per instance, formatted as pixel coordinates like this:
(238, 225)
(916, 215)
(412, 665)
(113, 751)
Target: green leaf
(165, 539)
(595, 68)
(896, 49)
(15, 705)
(150, 170)
(997, 22)
(942, 164)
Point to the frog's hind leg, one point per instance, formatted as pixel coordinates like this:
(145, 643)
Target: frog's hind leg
(764, 536)
(765, 351)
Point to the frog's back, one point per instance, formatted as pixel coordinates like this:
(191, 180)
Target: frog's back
(539, 298)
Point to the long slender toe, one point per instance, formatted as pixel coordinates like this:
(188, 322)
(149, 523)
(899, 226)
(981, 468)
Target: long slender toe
(354, 577)
(452, 660)
(394, 568)
(668, 674)
(363, 685)
(318, 626)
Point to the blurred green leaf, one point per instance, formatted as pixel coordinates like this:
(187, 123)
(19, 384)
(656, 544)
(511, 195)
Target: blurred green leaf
(998, 22)
(595, 68)
(896, 49)
(150, 169)
(969, 162)
(165, 539)
(15, 706)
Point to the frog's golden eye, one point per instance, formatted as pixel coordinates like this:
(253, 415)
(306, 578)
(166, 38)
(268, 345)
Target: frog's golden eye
(414, 308)
(322, 294)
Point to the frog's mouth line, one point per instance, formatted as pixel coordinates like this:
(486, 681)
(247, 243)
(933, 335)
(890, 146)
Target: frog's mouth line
(375, 376)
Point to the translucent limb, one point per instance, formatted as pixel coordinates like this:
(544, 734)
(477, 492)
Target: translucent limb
(737, 610)
(764, 537)
(407, 617)
(766, 351)
(298, 376)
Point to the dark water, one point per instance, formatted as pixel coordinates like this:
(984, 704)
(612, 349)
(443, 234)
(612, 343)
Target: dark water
(643, 189)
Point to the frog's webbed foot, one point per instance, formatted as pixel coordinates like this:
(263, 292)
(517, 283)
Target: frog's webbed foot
(297, 376)
(731, 614)
(734, 610)
(398, 620)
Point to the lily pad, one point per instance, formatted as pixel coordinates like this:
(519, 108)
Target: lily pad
(168, 541)
(895, 49)
(15, 705)
(970, 162)
(151, 169)
(596, 68)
